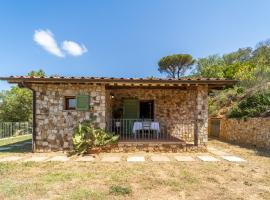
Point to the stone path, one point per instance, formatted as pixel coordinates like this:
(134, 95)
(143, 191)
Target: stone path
(36, 159)
(111, 159)
(217, 152)
(122, 158)
(85, 159)
(207, 158)
(59, 158)
(184, 158)
(10, 158)
(213, 155)
(160, 158)
(136, 159)
(233, 159)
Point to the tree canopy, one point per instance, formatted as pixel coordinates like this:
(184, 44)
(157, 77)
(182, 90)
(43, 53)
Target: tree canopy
(245, 64)
(251, 96)
(175, 65)
(38, 73)
(16, 104)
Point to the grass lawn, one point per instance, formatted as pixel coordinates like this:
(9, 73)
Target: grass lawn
(173, 180)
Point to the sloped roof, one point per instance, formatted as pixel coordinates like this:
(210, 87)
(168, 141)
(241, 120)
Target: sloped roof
(217, 82)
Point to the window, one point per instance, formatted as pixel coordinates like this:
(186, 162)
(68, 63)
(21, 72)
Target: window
(70, 103)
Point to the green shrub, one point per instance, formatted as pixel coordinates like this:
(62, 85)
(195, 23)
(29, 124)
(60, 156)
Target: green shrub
(86, 136)
(120, 190)
(224, 98)
(212, 108)
(240, 90)
(252, 106)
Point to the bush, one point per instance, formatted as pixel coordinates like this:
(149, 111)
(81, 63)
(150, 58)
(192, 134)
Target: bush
(86, 136)
(120, 190)
(240, 90)
(252, 106)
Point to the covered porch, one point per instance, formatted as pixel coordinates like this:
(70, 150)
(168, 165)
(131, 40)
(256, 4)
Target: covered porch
(158, 114)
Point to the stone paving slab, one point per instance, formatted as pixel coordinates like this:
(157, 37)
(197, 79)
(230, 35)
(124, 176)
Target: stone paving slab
(184, 158)
(85, 159)
(136, 159)
(233, 159)
(159, 158)
(36, 159)
(207, 158)
(4, 148)
(10, 158)
(59, 159)
(111, 159)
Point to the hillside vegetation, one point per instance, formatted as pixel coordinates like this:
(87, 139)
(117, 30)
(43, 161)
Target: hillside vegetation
(250, 97)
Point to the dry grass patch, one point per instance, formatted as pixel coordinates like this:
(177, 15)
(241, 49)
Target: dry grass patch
(148, 180)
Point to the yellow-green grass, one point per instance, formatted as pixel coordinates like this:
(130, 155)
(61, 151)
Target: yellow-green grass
(149, 180)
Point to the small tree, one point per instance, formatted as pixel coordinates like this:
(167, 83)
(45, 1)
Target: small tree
(38, 73)
(16, 105)
(175, 65)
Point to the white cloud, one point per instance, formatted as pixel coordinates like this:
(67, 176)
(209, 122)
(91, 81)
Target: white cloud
(73, 48)
(46, 39)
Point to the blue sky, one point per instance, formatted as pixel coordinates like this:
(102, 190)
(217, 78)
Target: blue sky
(120, 38)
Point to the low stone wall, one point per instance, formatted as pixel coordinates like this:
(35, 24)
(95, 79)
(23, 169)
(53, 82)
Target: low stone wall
(153, 147)
(253, 131)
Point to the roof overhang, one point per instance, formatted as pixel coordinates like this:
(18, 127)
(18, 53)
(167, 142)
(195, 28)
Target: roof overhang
(213, 83)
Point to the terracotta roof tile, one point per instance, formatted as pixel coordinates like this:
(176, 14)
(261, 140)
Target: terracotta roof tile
(73, 79)
(112, 78)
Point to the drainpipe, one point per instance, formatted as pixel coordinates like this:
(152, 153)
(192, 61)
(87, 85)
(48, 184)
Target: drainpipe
(22, 85)
(34, 121)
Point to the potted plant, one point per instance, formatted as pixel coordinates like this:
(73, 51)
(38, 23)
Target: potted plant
(87, 138)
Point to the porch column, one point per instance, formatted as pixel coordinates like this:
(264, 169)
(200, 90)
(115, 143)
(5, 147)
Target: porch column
(201, 123)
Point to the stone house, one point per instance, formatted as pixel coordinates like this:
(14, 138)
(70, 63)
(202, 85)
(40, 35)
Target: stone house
(171, 112)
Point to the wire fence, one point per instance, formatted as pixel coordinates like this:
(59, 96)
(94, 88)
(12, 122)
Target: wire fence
(13, 129)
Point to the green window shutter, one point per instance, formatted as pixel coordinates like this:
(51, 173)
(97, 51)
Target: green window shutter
(131, 109)
(82, 102)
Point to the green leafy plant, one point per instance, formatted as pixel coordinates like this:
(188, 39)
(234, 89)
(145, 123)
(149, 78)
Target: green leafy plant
(86, 137)
(120, 190)
(252, 106)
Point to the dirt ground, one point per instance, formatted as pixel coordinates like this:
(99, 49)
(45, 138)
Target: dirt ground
(148, 180)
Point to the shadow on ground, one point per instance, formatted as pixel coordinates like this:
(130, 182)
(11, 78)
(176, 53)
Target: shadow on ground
(259, 151)
(17, 147)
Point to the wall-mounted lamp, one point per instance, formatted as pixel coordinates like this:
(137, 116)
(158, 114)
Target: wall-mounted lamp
(112, 96)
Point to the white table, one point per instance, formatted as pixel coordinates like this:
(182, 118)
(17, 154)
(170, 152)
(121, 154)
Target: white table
(138, 126)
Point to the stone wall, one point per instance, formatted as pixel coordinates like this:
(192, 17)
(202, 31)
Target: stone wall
(108, 101)
(202, 114)
(175, 109)
(180, 112)
(253, 131)
(152, 148)
(54, 124)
